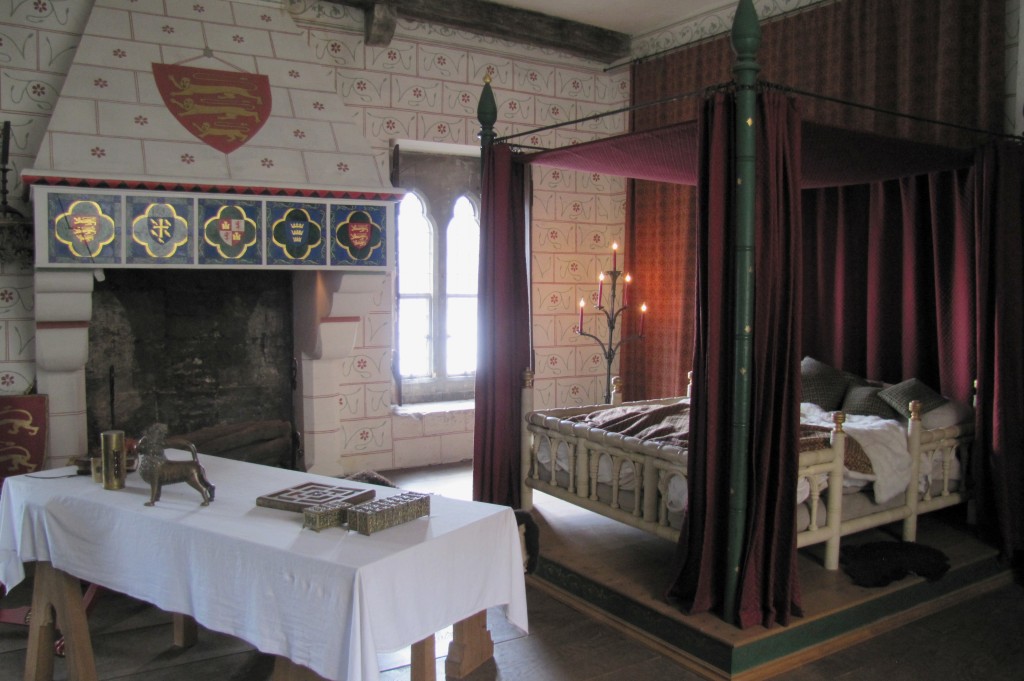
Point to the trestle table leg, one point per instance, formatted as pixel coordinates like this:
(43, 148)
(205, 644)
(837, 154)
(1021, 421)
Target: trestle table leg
(471, 646)
(57, 602)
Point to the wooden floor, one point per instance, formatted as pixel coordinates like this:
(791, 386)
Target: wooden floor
(978, 637)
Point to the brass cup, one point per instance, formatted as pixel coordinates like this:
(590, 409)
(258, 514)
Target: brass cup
(115, 468)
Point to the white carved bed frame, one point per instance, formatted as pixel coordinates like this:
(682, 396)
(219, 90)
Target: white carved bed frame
(829, 514)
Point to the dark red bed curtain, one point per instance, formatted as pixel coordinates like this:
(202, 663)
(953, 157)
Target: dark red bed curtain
(999, 214)
(768, 588)
(889, 269)
(503, 337)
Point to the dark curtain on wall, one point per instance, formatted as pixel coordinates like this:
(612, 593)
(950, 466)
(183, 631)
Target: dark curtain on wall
(998, 184)
(937, 59)
(894, 251)
(768, 586)
(503, 336)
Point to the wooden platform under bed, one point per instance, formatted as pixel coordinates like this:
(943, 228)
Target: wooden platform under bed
(618, 574)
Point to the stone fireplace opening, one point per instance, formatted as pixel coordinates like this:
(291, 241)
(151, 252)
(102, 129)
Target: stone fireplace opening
(190, 351)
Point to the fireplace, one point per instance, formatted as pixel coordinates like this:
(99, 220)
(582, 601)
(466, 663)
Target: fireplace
(188, 150)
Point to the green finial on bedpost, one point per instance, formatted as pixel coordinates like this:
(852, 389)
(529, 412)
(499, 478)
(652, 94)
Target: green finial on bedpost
(487, 113)
(746, 39)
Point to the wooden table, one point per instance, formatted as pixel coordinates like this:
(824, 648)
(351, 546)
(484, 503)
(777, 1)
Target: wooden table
(324, 603)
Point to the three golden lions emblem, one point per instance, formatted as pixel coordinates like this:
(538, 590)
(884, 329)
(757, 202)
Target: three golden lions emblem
(224, 109)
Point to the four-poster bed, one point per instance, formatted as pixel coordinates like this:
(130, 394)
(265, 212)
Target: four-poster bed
(628, 462)
(745, 406)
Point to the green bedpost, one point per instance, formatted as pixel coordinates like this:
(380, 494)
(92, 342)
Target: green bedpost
(487, 114)
(746, 39)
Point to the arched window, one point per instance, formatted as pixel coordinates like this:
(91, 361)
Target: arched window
(438, 243)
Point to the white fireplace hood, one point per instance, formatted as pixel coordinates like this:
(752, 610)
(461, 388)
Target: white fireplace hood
(205, 135)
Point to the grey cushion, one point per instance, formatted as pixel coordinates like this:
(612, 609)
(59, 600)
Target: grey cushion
(864, 400)
(900, 395)
(822, 385)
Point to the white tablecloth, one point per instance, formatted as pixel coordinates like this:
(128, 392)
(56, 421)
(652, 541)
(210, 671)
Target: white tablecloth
(329, 601)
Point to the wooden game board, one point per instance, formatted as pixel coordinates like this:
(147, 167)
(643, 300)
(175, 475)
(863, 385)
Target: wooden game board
(309, 494)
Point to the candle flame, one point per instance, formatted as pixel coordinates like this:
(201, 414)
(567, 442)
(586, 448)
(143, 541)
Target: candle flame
(615, 245)
(600, 277)
(582, 303)
(643, 308)
(628, 278)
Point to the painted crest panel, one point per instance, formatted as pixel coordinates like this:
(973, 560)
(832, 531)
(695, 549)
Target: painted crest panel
(160, 230)
(359, 235)
(296, 233)
(229, 231)
(84, 228)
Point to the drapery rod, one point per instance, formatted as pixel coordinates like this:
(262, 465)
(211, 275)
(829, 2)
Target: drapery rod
(625, 109)
(898, 114)
(763, 85)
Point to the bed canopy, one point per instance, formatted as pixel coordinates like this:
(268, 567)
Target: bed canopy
(752, 160)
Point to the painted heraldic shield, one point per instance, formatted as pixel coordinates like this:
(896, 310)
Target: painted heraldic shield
(225, 109)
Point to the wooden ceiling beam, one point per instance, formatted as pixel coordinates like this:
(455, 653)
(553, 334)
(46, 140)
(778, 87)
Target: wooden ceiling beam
(488, 18)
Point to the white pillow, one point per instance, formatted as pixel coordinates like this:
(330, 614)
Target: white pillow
(949, 414)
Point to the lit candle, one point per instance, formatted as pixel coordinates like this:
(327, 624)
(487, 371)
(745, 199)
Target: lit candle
(600, 289)
(615, 254)
(625, 289)
(5, 149)
(643, 314)
(580, 329)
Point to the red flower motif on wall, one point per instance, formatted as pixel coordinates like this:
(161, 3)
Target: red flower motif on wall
(167, 29)
(267, 163)
(335, 47)
(198, 9)
(364, 435)
(141, 120)
(265, 18)
(119, 53)
(98, 152)
(100, 83)
(442, 129)
(552, 361)
(7, 295)
(293, 73)
(342, 167)
(554, 299)
(299, 133)
(361, 363)
(553, 235)
(7, 380)
(188, 159)
(238, 39)
(319, 106)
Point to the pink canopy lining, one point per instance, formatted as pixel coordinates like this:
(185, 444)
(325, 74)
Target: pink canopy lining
(830, 156)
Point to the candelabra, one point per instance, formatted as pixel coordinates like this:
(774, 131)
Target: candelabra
(612, 314)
